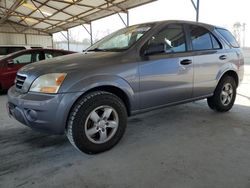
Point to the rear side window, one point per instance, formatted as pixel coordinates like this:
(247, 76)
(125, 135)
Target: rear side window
(38, 56)
(8, 50)
(202, 39)
(56, 54)
(3, 51)
(15, 49)
(229, 37)
(48, 55)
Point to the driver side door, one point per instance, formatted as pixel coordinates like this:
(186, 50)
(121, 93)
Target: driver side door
(166, 74)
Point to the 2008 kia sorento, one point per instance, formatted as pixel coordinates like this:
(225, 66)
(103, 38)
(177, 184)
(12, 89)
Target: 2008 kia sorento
(139, 68)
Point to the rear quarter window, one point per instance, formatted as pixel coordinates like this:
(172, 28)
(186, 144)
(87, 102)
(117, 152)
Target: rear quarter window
(15, 49)
(3, 51)
(8, 50)
(227, 35)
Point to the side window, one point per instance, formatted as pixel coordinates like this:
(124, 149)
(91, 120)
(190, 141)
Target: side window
(38, 56)
(55, 54)
(202, 39)
(216, 44)
(172, 38)
(3, 51)
(229, 37)
(48, 55)
(23, 59)
(15, 49)
(8, 50)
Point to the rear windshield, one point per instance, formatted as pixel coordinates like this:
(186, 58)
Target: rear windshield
(229, 37)
(8, 50)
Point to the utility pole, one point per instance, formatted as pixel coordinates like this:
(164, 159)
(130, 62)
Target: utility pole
(197, 9)
(244, 34)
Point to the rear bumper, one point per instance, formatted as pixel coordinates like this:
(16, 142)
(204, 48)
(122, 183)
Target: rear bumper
(43, 112)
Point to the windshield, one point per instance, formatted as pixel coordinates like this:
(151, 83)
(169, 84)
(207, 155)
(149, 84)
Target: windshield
(121, 40)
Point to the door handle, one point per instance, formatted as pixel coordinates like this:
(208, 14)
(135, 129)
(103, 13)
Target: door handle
(186, 62)
(223, 57)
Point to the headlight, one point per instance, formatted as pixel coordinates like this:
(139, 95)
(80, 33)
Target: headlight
(48, 83)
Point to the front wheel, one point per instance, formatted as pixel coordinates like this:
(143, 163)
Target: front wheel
(97, 122)
(224, 95)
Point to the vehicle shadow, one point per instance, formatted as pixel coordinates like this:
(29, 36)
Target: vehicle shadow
(3, 92)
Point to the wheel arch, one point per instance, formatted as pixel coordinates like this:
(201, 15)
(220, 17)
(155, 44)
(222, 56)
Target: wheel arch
(114, 90)
(231, 73)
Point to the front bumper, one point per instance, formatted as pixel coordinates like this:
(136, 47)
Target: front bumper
(43, 112)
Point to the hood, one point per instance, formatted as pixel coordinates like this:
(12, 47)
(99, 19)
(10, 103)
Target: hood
(72, 63)
(75, 65)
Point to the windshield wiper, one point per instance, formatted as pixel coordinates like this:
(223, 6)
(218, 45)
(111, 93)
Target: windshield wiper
(107, 50)
(96, 50)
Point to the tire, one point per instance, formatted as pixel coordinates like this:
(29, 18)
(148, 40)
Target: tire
(224, 95)
(97, 122)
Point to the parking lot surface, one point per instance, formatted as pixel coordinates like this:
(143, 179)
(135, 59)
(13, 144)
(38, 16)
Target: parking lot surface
(185, 146)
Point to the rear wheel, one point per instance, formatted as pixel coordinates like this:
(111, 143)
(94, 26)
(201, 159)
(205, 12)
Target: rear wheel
(97, 122)
(224, 95)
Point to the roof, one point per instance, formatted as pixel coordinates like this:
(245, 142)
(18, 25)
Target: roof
(52, 16)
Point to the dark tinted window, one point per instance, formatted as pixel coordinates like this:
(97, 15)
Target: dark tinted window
(14, 49)
(229, 37)
(173, 39)
(8, 50)
(3, 51)
(201, 39)
(38, 56)
(48, 55)
(55, 54)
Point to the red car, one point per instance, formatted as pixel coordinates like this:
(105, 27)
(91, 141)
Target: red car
(10, 64)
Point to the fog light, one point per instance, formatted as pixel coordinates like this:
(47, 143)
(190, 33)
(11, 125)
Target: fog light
(31, 115)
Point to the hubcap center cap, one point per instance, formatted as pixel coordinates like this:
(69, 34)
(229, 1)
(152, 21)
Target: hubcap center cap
(101, 124)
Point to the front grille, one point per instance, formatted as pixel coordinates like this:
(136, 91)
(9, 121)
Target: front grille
(20, 79)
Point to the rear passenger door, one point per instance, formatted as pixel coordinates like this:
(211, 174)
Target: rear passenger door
(166, 76)
(208, 57)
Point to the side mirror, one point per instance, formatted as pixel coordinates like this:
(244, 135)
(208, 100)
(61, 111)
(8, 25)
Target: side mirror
(154, 49)
(10, 62)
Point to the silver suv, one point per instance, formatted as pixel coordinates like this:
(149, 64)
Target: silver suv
(89, 95)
